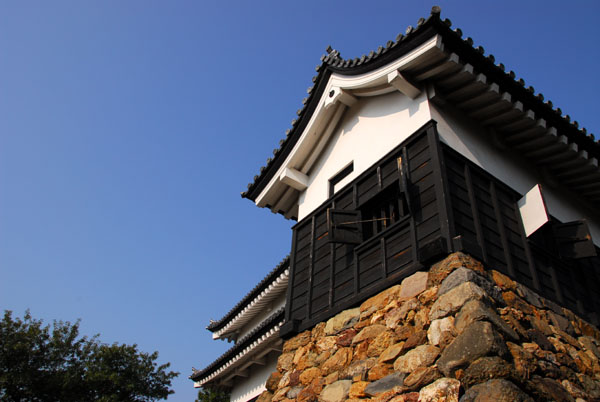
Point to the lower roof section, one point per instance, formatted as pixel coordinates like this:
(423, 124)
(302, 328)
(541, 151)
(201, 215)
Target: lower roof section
(251, 350)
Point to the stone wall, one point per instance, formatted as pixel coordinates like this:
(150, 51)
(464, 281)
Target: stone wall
(457, 332)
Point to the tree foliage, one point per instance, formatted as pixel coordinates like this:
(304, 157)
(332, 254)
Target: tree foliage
(212, 395)
(39, 363)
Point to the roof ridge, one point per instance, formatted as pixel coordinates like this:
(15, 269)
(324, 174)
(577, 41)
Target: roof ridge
(333, 62)
(269, 278)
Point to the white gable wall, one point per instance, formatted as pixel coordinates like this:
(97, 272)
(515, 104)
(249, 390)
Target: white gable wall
(475, 143)
(368, 130)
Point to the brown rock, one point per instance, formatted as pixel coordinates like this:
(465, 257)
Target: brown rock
(442, 269)
(307, 395)
(345, 337)
(514, 301)
(417, 339)
(405, 331)
(305, 357)
(486, 368)
(495, 390)
(380, 300)
(475, 310)
(421, 318)
(318, 331)
(309, 375)
(540, 324)
(523, 360)
(326, 354)
(358, 370)
(381, 343)
(273, 381)
(438, 328)
(514, 324)
(299, 340)
(293, 393)
(392, 382)
(280, 395)
(357, 390)
(574, 390)
(591, 387)
(391, 353)
(336, 392)
(413, 285)
(331, 378)
(421, 356)
(589, 346)
(266, 396)
(421, 376)
(408, 397)
(360, 351)
(549, 389)
(477, 340)
(326, 343)
(565, 337)
(428, 295)
(540, 339)
(284, 362)
(442, 390)
(338, 361)
(341, 321)
(369, 333)
(294, 378)
(379, 370)
(397, 316)
(452, 301)
(503, 281)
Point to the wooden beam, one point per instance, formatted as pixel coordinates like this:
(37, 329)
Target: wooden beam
(398, 81)
(294, 178)
(337, 94)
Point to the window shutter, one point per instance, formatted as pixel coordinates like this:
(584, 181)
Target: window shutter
(344, 226)
(574, 240)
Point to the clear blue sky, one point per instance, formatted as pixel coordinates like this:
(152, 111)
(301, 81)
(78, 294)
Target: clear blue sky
(128, 130)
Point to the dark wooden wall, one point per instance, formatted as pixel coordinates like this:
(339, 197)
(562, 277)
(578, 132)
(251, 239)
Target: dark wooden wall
(328, 276)
(440, 202)
(487, 219)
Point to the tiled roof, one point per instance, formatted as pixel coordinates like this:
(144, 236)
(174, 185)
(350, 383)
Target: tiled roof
(272, 321)
(332, 62)
(262, 285)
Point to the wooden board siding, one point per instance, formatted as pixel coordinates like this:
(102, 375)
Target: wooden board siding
(327, 277)
(487, 219)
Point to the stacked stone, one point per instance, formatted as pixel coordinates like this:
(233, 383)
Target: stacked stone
(457, 332)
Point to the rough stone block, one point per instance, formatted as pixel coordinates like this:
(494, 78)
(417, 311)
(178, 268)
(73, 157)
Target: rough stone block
(421, 356)
(421, 377)
(369, 333)
(497, 390)
(442, 390)
(385, 384)
(485, 368)
(380, 300)
(477, 340)
(299, 340)
(341, 321)
(475, 310)
(549, 389)
(438, 328)
(413, 285)
(454, 299)
(462, 275)
(336, 392)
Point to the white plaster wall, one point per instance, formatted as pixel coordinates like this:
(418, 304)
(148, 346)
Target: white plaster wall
(475, 144)
(253, 385)
(367, 131)
(266, 312)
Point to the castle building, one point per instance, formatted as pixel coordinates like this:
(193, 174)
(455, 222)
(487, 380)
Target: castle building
(423, 148)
